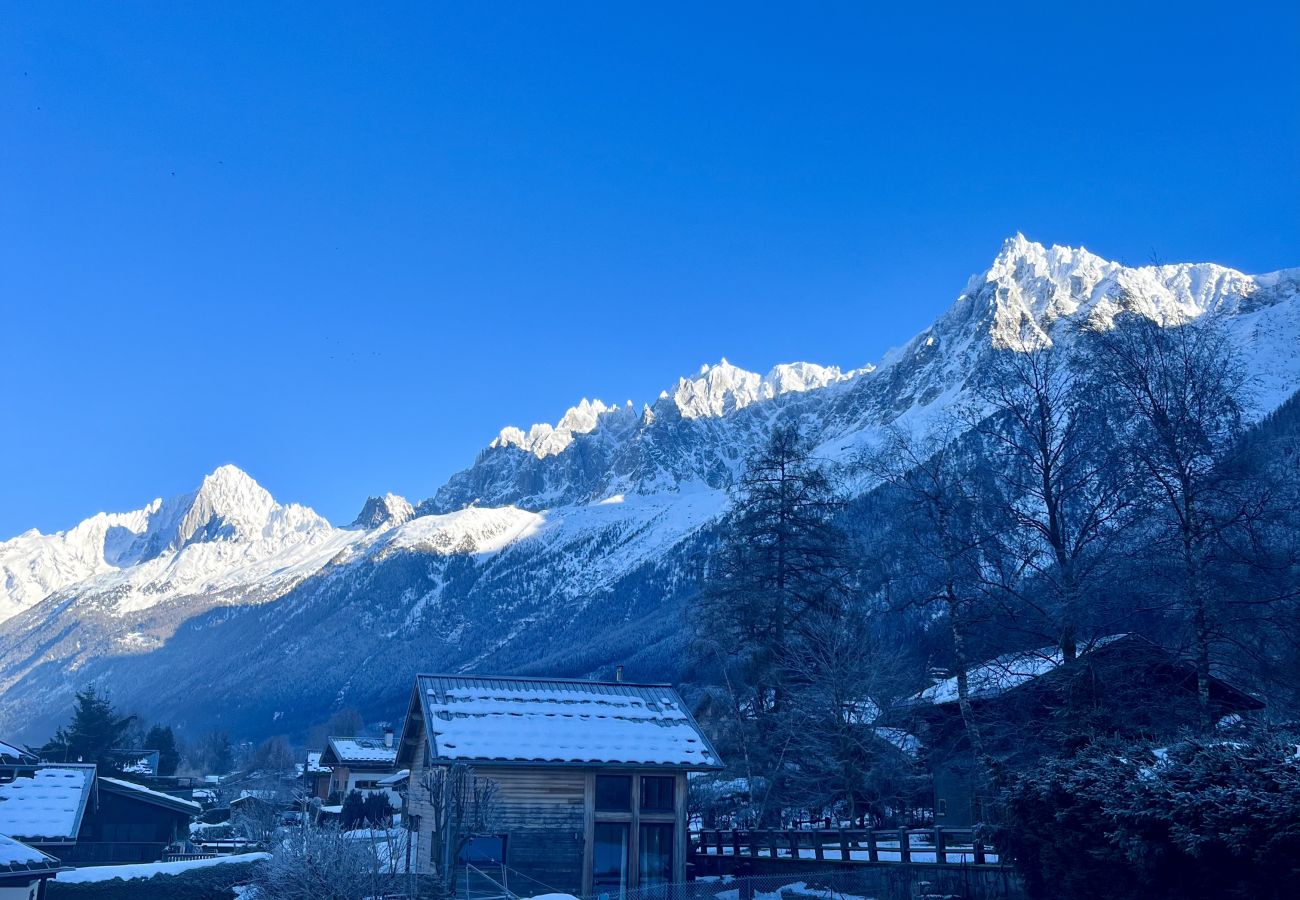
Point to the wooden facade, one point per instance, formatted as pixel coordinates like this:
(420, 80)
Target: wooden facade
(587, 828)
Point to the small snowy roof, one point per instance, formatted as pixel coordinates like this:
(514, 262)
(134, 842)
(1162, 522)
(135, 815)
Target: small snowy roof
(557, 721)
(15, 856)
(395, 779)
(158, 798)
(10, 753)
(355, 752)
(313, 762)
(49, 804)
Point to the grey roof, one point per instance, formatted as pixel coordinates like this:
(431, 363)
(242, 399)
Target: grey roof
(148, 795)
(560, 722)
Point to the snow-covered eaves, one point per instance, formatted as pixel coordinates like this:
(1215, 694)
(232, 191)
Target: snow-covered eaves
(560, 722)
(147, 795)
(396, 779)
(48, 806)
(10, 754)
(16, 858)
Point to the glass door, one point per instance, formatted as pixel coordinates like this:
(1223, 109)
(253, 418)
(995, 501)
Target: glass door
(609, 860)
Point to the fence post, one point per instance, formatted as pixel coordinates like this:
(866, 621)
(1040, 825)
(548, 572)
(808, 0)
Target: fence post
(904, 846)
(753, 843)
(735, 843)
(978, 847)
(818, 853)
(771, 843)
(873, 852)
(844, 846)
(940, 845)
(793, 838)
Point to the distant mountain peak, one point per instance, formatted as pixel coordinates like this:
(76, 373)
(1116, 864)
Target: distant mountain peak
(389, 509)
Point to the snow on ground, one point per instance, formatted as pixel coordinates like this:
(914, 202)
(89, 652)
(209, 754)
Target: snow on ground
(148, 870)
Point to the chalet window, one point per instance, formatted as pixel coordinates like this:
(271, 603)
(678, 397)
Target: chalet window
(614, 793)
(943, 808)
(658, 793)
(484, 850)
(655, 854)
(609, 859)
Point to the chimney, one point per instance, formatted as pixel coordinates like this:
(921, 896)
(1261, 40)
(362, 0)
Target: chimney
(388, 735)
(618, 673)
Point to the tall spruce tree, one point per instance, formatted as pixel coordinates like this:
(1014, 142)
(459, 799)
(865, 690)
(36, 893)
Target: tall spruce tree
(780, 570)
(95, 730)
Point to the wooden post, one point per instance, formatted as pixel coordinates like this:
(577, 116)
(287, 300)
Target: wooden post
(753, 843)
(940, 846)
(873, 852)
(818, 853)
(844, 847)
(735, 843)
(793, 838)
(771, 843)
(978, 846)
(904, 846)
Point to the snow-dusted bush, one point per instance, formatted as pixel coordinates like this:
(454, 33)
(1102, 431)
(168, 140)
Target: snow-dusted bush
(1204, 818)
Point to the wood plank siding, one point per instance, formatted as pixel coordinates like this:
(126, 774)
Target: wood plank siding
(548, 814)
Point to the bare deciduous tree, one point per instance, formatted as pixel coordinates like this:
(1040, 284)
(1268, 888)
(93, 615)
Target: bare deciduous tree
(460, 805)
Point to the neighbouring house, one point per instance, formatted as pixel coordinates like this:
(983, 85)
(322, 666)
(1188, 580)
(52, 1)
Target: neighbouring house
(316, 777)
(1024, 703)
(79, 817)
(24, 870)
(359, 764)
(590, 776)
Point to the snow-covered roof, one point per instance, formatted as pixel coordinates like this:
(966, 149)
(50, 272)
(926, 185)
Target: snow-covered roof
(557, 721)
(158, 798)
(997, 676)
(9, 753)
(15, 856)
(358, 752)
(395, 779)
(49, 804)
(313, 762)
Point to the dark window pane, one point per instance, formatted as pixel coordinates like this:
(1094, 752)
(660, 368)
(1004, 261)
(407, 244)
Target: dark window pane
(609, 859)
(656, 852)
(614, 793)
(484, 849)
(657, 793)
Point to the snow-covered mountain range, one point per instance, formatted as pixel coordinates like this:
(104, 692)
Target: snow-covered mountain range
(559, 549)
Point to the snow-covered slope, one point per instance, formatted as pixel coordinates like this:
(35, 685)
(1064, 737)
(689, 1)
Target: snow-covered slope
(560, 549)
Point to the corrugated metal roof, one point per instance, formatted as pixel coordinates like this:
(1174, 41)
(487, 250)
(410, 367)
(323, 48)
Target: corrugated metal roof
(560, 721)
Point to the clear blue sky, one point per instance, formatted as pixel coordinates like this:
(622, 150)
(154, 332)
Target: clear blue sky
(341, 246)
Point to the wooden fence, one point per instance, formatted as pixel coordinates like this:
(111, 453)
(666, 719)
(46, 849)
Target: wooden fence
(952, 846)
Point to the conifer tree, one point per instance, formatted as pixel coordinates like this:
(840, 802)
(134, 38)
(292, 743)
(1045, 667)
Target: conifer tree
(95, 730)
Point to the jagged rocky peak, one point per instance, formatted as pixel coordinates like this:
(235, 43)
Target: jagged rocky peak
(1030, 288)
(544, 440)
(724, 388)
(389, 509)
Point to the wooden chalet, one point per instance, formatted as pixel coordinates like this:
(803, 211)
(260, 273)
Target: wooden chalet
(1027, 703)
(71, 813)
(590, 776)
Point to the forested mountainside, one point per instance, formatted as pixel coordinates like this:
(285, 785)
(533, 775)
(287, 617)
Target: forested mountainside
(563, 549)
